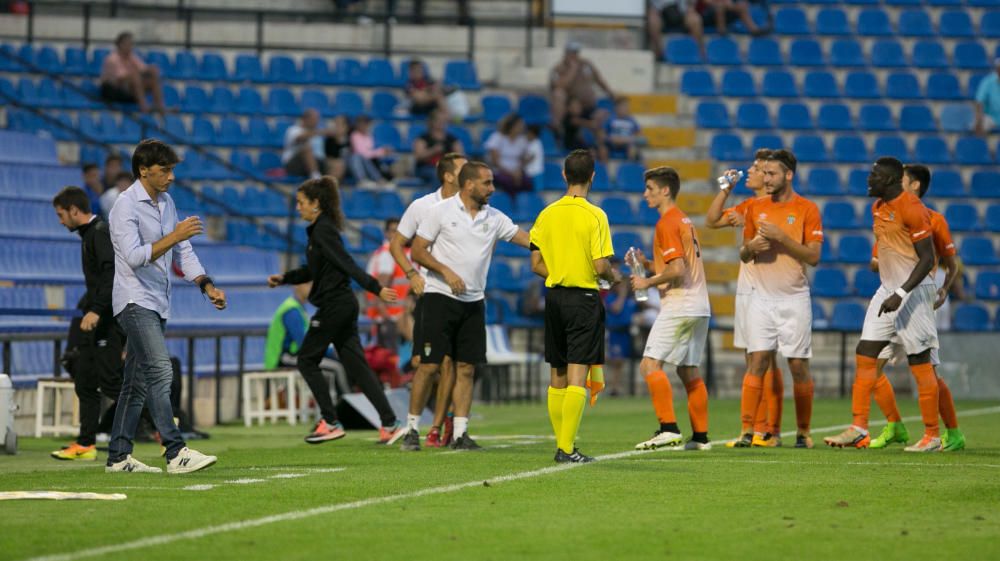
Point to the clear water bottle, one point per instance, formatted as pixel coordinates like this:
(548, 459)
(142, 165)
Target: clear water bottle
(638, 270)
(729, 180)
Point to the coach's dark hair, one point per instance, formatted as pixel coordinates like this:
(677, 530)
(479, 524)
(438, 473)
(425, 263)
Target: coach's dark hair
(579, 167)
(152, 152)
(122, 37)
(785, 158)
(762, 154)
(891, 167)
(447, 164)
(326, 192)
(665, 177)
(470, 171)
(89, 166)
(917, 172)
(388, 221)
(507, 124)
(72, 197)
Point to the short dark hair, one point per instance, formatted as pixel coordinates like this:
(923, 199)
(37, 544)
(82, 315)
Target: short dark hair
(471, 170)
(891, 167)
(122, 37)
(124, 175)
(917, 172)
(508, 123)
(388, 221)
(447, 164)
(665, 176)
(762, 154)
(89, 166)
(112, 157)
(152, 152)
(785, 158)
(579, 167)
(72, 197)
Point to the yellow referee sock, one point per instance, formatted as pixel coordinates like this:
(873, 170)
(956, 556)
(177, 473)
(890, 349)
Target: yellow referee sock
(556, 396)
(572, 412)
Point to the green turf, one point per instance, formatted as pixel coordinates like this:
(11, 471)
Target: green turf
(723, 504)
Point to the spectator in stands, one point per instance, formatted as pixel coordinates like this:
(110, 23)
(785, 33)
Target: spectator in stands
(337, 147)
(93, 186)
(367, 162)
(112, 169)
(507, 154)
(430, 146)
(693, 16)
(575, 77)
(581, 132)
(620, 308)
(305, 151)
(125, 78)
(111, 194)
(534, 168)
(425, 95)
(622, 132)
(988, 101)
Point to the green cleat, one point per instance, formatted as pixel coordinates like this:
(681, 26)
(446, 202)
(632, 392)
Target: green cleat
(892, 432)
(953, 441)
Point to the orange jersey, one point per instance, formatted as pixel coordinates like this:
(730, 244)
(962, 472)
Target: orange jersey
(898, 225)
(676, 238)
(747, 278)
(779, 274)
(944, 245)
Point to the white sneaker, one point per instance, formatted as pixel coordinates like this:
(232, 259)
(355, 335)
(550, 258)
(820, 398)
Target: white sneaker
(926, 444)
(131, 465)
(699, 446)
(660, 439)
(188, 460)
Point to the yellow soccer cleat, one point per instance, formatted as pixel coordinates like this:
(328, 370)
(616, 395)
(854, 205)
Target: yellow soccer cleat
(766, 440)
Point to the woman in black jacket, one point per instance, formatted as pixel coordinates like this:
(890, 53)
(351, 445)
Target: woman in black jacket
(331, 268)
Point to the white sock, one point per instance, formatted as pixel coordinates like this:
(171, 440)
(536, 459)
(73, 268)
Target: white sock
(859, 429)
(413, 422)
(461, 426)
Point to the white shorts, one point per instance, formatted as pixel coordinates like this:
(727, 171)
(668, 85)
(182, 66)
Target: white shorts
(740, 320)
(783, 324)
(677, 340)
(896, 354)
(913, 322)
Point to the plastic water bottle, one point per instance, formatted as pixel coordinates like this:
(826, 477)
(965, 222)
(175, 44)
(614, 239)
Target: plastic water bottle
(729, 180)
(638, 270)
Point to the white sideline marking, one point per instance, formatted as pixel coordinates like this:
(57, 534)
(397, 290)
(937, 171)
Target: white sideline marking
(293, 468)
(794, 462)
(327, 509)
(287, 476)
(199, 487)
(244, 481)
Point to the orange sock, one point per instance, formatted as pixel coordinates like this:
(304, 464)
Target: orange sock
(803, 405)
(662, 396)
(946, 405)
(865, 370)
(760, 422)
(776, 403)
(698, 405)
(885, 397)
(752, 386)
(927, 391)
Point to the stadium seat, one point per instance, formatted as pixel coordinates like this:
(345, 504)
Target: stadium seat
(972, 151)
(929, 54)
(212, 68)
(914, 23)
(349, 72)
(379, 73)
(770, 141)
(971, 317)
(711, 115)
(832, 21)
(753, 115)
(738, 83)
(809, 148)
(834, 116)
(850, 149)
(601, 180)
(988, 285)
(621, 241)
(316, 71)
(248, 102)
(723, 51)
(829, 282)
(820, 84)
(74, 61)
(970, 55)
(876, 117)
(682, 50)
(794, 116)
(727, 148)
(893, 146)
(281, 101)
(943, 86)
(847, 52)
(316, 99)
(847, 316)
(824, 181)
(281, 69)
(534, 109)
(955, 24)
(947, 183)
(791, 21)
(916, 118)
(888, 53)
(857, 182)
(619, 211)
(874, 22)
(386, 134)
(985, 184)
(840, 215)
(778, 83)
(962, 217)
(249, 69)
(854, 249)
(764, 52)
(259, 133)
(861, 85)
(630, 177)
(932, 150)
(819, 320)
(348, 103)
(989, 26)
(698, 83)
(461, 74)
(978, 250)
(231, 133)
(806, 52)
(866, 282)
(503, 202)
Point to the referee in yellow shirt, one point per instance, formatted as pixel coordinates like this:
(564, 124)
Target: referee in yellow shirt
(571, 247)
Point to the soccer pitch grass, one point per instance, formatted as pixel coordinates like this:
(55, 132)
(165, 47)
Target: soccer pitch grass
(271, 496)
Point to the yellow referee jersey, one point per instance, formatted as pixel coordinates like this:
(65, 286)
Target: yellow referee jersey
(571, 233)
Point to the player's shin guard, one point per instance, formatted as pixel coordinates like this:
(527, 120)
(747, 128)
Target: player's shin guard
(750, 400)
(927, 390)
(885, 397)
(803, 405)
(946, 405)
(861, 393)
(662, 396)
(760, 423)
(698, 405)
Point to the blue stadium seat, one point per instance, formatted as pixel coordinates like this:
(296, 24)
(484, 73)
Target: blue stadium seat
(682, 50)
(74, 61)
(349, 103)
(819, 320)
(862, 85)
(832, 21)
(503, 202)
(989, 26)
(727, 147)
(259, 133)
(791, 21)
(316, 70)
(829, 282)
(929, 54)
(947, 183)
(854, 249)
(840, 215)
(379, 73)
(888, 53)
(847, 52)
(932, 150)
(619, 210)
(212, 68)
(698, 83)
(834, 116)
(630, 177)
(809, 148)
(988, 285)
(971, 317)
(47, 59)
(955, 24)
(794, 116)
(501, 276)
(847, 316)
(978, 250)
(221, 100)
(850, 149)
(778, 83)
(384, 105)
(917, 118)
(231, 133)
(914, 23)
(621, 241)
(764, 52)
(248, 102)
(738, 83)
(874, 22)
(185, 66)
(985, 184)
(461, 74)
(496, 107)
(806, 52)
(944, 86)
(876, 117)
(316, 99)
(770, 141)
(893, 146)
(962, 217)
(97, 57)
(249, 69)
(386, 134)
(821, 84)
(349, 72)
(281, 101)
(534, 109)
(824, 181)
(711, 115)
(281, 69)
(866, 282)
(972, 151)
(970, 55)
(601, 180)
(753, 115)
(902, 85)
(723, 51)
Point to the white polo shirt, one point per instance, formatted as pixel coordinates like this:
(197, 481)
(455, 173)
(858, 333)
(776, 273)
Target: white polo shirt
(416, 212)
(464, 244)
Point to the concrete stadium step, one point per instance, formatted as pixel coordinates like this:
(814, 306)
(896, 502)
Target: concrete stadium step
(688, 169)
(670, 137)
(657, 104)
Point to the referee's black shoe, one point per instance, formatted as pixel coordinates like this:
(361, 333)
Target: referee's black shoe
(575, 458)
(411, 441)
(465, 442)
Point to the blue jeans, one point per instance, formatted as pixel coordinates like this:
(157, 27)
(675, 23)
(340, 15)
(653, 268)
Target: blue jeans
(146, 382)
(364, 169)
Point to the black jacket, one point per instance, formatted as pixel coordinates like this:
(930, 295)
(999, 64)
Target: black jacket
(329, 266)
(98, 258)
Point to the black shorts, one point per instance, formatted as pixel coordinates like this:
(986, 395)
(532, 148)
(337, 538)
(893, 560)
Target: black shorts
(452, 328)
(114, 94)
(418, 314)
(574, 327)
(673, 18)
(297, 165)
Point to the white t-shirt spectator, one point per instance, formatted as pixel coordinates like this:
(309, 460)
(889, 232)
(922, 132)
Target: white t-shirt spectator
(510, 151)
(293, 132)
(536, 161)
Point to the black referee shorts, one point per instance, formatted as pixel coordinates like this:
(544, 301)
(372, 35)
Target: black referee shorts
(450, 327)
(418, 314)
(574, 327)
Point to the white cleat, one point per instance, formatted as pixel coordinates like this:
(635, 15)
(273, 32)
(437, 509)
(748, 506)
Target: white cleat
(188, 460)
(131, 465)
(698, 446)
(926, 444)
(659, 440)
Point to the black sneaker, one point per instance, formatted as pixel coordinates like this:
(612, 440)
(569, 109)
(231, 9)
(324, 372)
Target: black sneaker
(411, 441)
(465, 442)
(744, 441)
(575, 458)
(803, 441)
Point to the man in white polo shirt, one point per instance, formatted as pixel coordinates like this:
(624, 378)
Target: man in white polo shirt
(463, 231)
(447, 170)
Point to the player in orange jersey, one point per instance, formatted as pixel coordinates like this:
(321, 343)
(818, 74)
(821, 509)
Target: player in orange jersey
(767, 421)
(681, 329)
(903, 306)
(782, 234)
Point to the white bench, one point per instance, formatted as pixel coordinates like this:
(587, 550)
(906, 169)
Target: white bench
(257, 405)
(57, 386)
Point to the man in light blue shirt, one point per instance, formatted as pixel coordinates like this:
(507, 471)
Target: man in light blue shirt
(147, 237)
(988, 101)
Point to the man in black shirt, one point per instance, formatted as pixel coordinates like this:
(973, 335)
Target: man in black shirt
(96, 370)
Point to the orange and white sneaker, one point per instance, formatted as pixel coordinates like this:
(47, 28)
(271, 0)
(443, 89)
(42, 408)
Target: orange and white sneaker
(389, 435)
(852, 437)
(75, 452)
(926, 444)
(325, 431)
